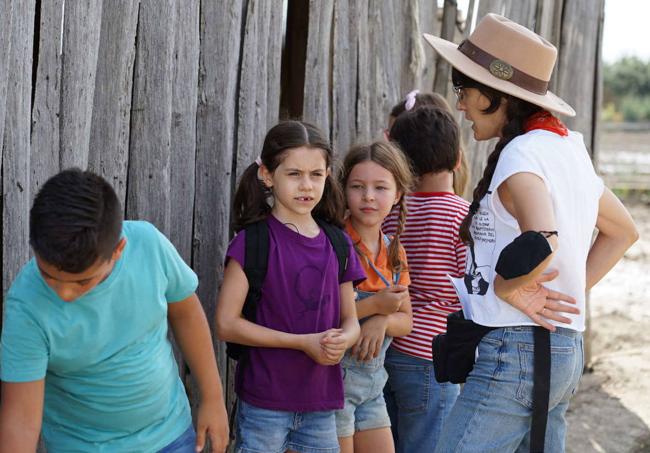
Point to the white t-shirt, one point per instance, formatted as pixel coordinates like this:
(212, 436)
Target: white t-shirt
(566, 169)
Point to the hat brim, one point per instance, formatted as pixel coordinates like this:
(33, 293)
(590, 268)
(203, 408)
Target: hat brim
(449, 51)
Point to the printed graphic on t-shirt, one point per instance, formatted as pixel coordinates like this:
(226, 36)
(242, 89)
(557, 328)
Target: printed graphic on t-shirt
(475, 280)
(309, 295)
(477, 275)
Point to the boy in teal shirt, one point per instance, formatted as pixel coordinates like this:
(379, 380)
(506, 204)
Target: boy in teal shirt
(84, 352)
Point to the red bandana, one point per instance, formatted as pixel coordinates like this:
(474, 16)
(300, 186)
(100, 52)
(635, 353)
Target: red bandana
(544, 120)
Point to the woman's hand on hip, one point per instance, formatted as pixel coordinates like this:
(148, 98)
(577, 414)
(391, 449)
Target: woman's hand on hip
(538, 302)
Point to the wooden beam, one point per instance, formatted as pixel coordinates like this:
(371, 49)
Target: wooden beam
(16, 143)
(216, 128)
(148, 195)
(44, 156)
(81, 27)
(110, 126)
(316, 107)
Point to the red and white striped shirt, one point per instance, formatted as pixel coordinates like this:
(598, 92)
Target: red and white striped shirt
(433, 250)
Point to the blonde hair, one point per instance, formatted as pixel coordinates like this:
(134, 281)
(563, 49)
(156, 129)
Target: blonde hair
(391, 158)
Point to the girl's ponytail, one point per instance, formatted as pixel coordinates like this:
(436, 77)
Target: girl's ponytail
(250, 203)
(331, 206)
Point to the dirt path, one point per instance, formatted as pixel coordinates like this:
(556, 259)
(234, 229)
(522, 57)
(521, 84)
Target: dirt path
(611, 412)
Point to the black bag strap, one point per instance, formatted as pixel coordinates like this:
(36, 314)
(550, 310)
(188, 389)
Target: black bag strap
(339, 244)
(256, 260)
(541, 388)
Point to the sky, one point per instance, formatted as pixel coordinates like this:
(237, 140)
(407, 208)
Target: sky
(627, 31)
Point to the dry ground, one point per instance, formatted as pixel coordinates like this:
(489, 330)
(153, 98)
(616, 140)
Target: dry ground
(611, 412)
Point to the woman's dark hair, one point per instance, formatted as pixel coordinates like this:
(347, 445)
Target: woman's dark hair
(75, 220)
(250, 204)
(517, 112)
(429, 137)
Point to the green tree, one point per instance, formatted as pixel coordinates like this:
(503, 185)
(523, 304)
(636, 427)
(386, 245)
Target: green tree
(627, 88)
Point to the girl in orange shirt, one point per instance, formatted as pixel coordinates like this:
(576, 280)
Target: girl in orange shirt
(375, 178)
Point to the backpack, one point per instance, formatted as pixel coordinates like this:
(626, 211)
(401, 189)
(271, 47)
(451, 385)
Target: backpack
(256, 256)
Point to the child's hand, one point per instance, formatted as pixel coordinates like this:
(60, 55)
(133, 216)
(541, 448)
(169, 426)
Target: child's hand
(313, 347)
(389, 300)
(334, 343)
(371, 339)
(212, 422)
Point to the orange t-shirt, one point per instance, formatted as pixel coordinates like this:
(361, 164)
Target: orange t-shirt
(373, 282)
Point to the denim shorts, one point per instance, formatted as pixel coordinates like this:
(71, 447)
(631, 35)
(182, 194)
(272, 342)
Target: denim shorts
(185, 443)
(364, 407)
(271, 431)
(493, 412)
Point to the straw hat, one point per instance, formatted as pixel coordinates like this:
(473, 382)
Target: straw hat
(507, 57)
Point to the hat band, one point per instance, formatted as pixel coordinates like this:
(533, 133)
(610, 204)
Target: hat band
(501, 69)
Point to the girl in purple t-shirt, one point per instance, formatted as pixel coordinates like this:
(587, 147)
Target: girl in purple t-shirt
(305, 319)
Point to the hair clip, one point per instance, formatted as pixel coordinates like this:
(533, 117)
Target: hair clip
(409, 100)
(258, 161)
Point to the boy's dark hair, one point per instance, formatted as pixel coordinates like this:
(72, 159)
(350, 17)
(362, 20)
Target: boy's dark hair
(250, 203)
(429, 137)
(75, 220)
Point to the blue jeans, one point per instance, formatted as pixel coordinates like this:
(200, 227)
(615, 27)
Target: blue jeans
(271, 431)
(185, 443)
(493, 412)
(417, 403)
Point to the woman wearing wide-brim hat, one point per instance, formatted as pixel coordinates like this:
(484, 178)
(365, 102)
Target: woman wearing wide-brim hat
(529, 231)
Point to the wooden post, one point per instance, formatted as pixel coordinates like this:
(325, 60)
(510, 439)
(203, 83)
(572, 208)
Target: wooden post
(16, 142)
(183, 125)
(81, 26)
(148, 196)
(216, 126)
(450, 11)
(364, 55)
(252, 100)
(6, 14)
(580, 79)
(108, 155)
(344, 78)
(44, 156)
(316, 107)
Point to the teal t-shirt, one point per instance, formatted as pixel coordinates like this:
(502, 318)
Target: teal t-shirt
(111, 381)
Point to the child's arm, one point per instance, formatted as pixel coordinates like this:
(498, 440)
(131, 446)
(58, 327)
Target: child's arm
(231, 326)
(385, 302)
(374, 330)
(616, 233)
(336, 343)
(192, 333)
(21, 414)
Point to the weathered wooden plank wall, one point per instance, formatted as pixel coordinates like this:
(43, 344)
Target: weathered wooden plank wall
(16, 141)
(170, 100)
(111, 113)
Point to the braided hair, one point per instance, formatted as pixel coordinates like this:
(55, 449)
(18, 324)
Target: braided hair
(517, 112)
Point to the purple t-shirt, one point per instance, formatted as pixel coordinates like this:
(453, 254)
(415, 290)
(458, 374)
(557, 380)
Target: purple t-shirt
(300, 295)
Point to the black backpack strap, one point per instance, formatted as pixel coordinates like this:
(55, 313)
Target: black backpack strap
(339, 243)
(256, 256)
(541, 387)
(255, 265)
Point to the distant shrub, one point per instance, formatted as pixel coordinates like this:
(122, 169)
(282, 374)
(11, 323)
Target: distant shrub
(635, 108)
